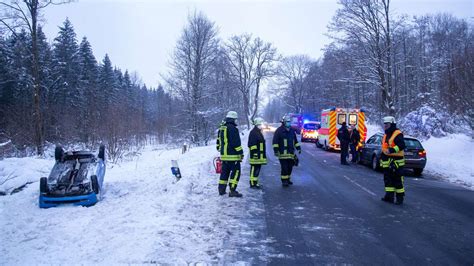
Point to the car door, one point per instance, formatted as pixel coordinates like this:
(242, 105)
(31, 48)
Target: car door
(367, 149)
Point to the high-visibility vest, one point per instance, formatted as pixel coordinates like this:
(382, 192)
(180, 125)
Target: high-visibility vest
(391, 144)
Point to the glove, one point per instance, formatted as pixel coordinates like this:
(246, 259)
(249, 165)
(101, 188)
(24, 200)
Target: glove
(241, 157)
(299, 151)
(277, 154)
(391, 150)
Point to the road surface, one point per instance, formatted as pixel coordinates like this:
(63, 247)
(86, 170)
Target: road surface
(333, 215)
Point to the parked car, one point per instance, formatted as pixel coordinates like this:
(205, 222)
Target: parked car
(77, 178)
(415, 154)
(309, 132)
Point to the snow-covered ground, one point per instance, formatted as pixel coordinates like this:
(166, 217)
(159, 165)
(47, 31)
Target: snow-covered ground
(450, 157)
(144, 217)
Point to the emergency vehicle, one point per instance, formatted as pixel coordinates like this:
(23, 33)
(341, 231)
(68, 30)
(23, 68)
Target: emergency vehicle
(296, 121)
(331, 121)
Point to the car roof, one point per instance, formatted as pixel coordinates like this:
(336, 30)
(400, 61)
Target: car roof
(405, 137)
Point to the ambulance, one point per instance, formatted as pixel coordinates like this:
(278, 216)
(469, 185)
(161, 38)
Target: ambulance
(331, 121)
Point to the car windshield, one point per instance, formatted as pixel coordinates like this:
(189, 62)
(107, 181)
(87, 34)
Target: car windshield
(311, 126)
(413, 144)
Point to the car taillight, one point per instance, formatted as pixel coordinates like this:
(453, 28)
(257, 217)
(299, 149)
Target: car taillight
(422, 153)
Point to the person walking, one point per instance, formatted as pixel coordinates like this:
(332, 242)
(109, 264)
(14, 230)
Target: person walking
(354, 142)
(392, 161)
(258, 157)
(344, 139)
(285, 145)
(231, 154)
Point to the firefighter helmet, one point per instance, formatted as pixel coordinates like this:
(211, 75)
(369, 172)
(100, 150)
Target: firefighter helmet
(232, 114)
(389, 119)
(285, 118)
(258, 121)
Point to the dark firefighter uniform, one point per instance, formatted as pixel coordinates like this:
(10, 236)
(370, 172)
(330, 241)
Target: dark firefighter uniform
(231, 153)
(258, 155)
(392, 161)
(284, 145)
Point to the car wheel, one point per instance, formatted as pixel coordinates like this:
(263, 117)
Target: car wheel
(95, 184)
(375, 163)
(44, 185)
(102, 152)
(418, 171)
(58, 153)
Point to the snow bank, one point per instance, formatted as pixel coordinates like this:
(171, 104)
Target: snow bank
(144, 217)
(426, 122)
(452, 157)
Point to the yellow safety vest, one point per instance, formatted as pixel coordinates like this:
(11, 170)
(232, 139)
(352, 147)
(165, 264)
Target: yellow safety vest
(391, 144)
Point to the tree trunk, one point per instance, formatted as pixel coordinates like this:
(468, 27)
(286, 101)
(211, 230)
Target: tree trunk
(36, 80)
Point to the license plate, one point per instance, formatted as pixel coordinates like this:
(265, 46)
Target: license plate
(409, 153)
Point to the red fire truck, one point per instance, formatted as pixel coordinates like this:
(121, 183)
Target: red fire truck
(331, 121)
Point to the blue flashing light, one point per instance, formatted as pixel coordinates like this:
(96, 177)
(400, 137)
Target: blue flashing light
(305, 121)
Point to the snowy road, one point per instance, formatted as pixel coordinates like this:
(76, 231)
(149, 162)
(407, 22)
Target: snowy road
(333, 214)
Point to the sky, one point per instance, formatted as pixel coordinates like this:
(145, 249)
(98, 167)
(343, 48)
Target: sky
(140, 35)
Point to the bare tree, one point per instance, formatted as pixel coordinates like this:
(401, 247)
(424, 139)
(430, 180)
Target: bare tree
(266, 56)
(293, 71)
(26, 15)
(191, 64)
(366, 24)
(252, 62)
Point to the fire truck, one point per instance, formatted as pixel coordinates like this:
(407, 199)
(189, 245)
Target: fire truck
(331, 121)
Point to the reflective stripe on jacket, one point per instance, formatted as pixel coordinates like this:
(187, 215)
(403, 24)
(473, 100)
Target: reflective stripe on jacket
(228, 143)
(257, 147)
(285, 143)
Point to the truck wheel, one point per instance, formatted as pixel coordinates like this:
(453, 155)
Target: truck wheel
(58, 153)
(102, 152)
(95, 184)
(44, 185)
(418, 171)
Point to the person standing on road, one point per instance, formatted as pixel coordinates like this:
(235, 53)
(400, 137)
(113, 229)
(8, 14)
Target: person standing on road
(355, 138)
(344, 139)
(284, 145)
(258, 156)
(231, 152)
(392, 161)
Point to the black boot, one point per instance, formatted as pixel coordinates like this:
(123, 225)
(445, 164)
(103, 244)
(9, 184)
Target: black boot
(399, 200)
(289, 182)
(388, 197)
(284, 182)
(235, 193)
(222, 191)
(256, 186)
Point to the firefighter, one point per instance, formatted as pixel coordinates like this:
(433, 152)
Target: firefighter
(354, 138)
(344, 139)
(392, 161)
(231, 154)
(258, 155)
(284, 145)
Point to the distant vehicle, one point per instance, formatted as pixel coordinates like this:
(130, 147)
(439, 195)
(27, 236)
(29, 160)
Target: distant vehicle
(309, 132)
(296, 121)
(415, 154)
(77, 178)
(331, 121)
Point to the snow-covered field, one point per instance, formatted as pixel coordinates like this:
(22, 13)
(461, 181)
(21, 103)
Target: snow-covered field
(144, 217)
(450, 157)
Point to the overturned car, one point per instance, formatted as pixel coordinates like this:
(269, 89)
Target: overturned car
(76, 178)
